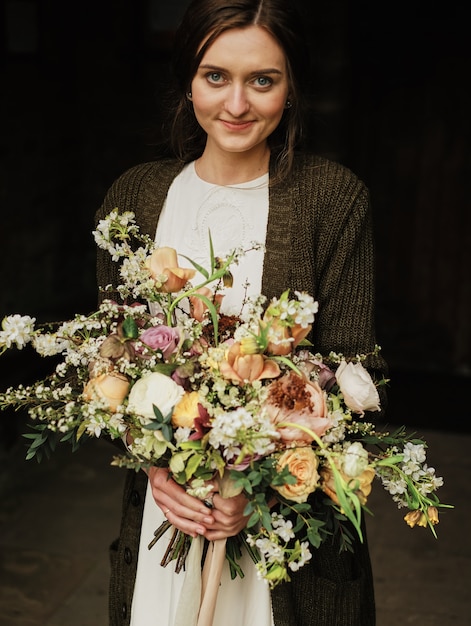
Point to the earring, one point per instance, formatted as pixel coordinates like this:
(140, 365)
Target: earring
(288, 104)
(188, 95)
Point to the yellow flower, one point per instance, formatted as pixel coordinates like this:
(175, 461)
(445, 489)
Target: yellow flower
(186, 410)
(416, 517)
(249, 345)
(432, 513)
(419, 518)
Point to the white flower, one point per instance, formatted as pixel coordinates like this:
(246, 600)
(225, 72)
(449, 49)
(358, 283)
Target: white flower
(414, 452)
(154, 389)
(357, 387)
(304, 557)
(355, 459)
(17, 329)
(49, 344)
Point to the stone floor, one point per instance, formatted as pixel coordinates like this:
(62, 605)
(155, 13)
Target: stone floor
(58, 517)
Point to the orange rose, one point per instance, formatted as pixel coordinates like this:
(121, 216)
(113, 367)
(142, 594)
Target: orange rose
(186, 410)
(242, 368)
(163, 267)
(302, 463)
(110, 388)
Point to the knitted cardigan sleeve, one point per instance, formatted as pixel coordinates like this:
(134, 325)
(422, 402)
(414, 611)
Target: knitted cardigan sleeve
(327, 249)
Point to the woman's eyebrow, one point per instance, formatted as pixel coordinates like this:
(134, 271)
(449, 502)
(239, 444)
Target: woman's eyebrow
(216, 68)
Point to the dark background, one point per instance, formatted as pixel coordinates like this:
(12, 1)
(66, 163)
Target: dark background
(80, 100)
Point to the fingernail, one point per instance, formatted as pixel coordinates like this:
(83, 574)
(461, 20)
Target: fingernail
(208, 520)
(200, 530)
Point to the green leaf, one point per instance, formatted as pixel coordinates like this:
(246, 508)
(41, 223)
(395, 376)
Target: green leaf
(253, 519)
(158, 413)
(167, 432)
(130, 329)
(197, 266)
(193, 464)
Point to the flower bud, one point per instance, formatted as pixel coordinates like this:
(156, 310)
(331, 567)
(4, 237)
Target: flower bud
(432, 513)
(413, 517)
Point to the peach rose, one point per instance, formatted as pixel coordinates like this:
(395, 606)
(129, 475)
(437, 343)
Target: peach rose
(302, 464)
(242, 368)
(186, 410)
(294, 399)
(163, 267)
(110, 388)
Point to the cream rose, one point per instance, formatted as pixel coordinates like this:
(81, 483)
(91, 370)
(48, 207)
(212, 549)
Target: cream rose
(110, 388)
(358, 389)
(154, 389)
(302, 464)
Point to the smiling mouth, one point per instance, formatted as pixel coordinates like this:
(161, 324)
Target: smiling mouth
(237, 125)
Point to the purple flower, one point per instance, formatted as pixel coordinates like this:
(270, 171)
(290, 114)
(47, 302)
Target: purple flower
(163, 338)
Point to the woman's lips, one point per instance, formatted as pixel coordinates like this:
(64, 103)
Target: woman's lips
(237, 126)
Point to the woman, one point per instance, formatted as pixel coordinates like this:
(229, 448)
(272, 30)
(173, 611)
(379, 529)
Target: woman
(240, 67)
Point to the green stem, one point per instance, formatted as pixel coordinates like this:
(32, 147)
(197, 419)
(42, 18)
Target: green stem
(349, 501)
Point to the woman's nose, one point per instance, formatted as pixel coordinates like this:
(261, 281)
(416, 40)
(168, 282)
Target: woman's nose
(236, 101)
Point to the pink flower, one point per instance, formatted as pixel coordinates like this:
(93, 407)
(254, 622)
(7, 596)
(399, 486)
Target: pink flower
(294, 399)
(163, 338)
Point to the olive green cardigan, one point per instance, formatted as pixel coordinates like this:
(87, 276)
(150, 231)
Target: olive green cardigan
(319, 240)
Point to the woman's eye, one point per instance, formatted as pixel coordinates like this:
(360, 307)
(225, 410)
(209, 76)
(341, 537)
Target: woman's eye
(263, 81)
(214, 77)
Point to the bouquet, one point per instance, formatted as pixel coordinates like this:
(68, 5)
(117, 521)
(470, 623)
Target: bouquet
(233, 404)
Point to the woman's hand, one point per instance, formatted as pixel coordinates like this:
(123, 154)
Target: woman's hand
(185, 512)
(228, 517)
(190, 514)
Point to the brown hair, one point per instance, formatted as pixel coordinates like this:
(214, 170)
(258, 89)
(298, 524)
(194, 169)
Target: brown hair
(204, 21)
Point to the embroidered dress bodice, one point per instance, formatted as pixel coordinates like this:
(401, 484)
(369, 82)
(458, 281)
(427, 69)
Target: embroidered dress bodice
(236, 216)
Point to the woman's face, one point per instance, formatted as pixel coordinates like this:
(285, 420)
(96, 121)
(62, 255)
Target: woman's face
(240, 89)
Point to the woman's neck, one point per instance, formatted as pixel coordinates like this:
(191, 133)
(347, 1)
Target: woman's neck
(231, 168)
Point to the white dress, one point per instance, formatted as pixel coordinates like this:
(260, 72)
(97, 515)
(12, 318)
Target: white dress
(236, 216)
